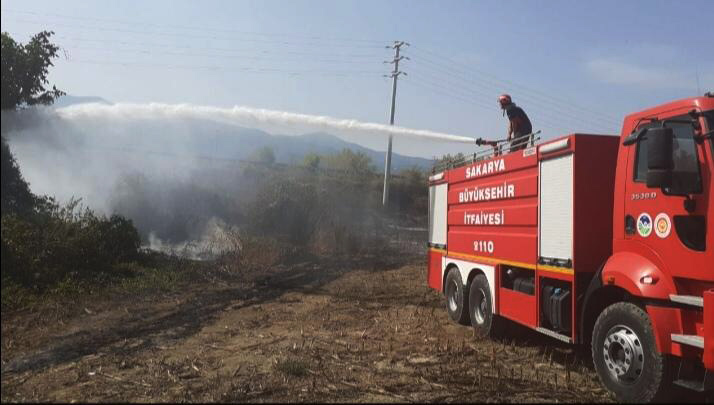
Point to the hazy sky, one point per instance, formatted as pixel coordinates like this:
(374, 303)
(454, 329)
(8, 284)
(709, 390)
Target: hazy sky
(574, 66)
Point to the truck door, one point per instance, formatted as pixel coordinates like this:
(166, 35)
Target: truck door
(673, 228)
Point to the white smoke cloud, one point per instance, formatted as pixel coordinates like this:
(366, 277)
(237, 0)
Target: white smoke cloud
(158, 163)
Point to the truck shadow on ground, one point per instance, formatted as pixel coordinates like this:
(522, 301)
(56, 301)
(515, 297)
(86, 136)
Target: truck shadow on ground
(573, 357)
(153, 326)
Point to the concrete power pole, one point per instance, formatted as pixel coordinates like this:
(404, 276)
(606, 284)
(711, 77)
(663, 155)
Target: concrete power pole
(394, 75)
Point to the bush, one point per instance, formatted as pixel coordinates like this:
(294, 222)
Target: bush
(286, 209)
(56, 243)
(15, 195)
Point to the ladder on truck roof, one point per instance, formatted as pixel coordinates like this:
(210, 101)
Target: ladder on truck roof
(497, 148)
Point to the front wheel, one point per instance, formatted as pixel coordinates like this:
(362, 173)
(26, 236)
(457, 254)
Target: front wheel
(625, 354)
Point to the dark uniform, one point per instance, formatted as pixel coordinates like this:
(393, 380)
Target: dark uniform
(520, 124)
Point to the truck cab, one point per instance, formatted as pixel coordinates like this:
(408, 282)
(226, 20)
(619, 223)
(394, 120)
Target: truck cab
(663, 244)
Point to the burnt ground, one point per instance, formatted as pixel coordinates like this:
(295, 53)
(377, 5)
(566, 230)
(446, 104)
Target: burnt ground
(354, 330)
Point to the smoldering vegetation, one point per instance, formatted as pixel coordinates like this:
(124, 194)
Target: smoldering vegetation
(156, 171)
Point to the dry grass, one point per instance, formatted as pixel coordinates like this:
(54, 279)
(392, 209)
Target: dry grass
(312, 332)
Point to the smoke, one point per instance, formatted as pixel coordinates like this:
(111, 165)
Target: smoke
(170, 168)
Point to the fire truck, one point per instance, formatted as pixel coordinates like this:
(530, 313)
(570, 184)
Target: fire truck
(597, 240)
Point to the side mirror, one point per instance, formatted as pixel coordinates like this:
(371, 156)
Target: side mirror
(659, 157)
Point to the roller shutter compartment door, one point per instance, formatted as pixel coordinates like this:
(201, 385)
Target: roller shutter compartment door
(556, 208)
(437, 214)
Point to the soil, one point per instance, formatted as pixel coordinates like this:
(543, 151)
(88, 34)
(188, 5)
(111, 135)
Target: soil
(358, 330)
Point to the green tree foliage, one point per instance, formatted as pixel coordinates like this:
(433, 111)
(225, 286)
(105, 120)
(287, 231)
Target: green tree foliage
(286, 209)
(44, 243)
(57, 243)
(449, 159)
(409, 193)
(24, 76)
(352, 163)
(24, 71)
(312, 161)
(264, 155)
(15, 195)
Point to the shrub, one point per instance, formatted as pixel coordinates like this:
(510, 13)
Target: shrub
(15, 195)
(59, 242)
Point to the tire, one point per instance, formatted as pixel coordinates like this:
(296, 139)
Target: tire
(483, 320)
(625, 355)
(457, 298)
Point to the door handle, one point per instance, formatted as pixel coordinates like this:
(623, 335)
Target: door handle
(629, 224)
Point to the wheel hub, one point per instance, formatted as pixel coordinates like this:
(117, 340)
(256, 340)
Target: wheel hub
(623, 353)
(451, 293)
(480, 308)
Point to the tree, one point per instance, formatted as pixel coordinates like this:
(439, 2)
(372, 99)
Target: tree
(25, 69)
(264, 155)
(448, 159)
(24, 76)
(311, 161)
(15, 195)
(352, 163)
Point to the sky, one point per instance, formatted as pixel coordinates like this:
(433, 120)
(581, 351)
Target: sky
(573, 66)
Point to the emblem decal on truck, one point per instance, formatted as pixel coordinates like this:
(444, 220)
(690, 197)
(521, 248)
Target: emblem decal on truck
(662, 225)
(644, 224)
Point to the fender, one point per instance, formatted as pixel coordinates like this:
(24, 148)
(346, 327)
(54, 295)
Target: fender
(626, 270)
(629, 270)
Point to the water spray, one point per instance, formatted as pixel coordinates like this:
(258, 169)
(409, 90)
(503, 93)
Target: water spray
(240, 115)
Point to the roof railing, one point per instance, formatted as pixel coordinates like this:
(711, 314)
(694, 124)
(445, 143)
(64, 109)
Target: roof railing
(496, 148)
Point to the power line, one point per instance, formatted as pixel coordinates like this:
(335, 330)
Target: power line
(171, 34)
(565, 103)
(436, 89)
(194, 28)
(542, 114)
(208, 48)
(245, 69)
(208, 55)
(534, 99)
(458, 88)
(556, 100)
(542, 110)
(499, 88)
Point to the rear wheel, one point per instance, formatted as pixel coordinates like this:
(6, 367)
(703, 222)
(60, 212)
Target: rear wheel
(483, 320)
(456, 297)
(626, 357)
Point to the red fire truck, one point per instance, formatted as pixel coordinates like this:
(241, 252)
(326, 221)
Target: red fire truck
(591, 239)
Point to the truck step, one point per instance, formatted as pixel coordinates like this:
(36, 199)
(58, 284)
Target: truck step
(697, 386)
(688, 299)
(555, 335)
(705, 385)
(691, 340)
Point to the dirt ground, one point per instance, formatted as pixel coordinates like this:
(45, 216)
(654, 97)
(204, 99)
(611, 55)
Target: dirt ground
(359, 331)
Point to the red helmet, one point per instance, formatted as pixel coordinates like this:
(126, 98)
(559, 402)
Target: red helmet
(504, 99)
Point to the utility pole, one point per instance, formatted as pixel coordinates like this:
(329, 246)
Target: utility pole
(394, 75)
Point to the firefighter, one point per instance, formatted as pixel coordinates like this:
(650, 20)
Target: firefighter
(518, 123)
